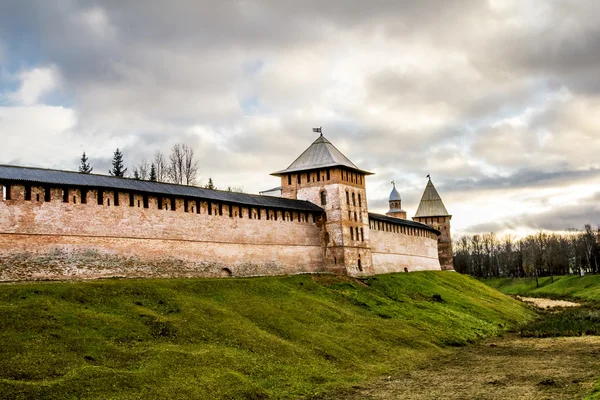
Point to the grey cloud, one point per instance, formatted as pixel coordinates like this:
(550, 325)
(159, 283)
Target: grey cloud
(556, 220)
(523, 179)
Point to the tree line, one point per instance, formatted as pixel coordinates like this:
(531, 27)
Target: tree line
(179, 167)
(536, 255)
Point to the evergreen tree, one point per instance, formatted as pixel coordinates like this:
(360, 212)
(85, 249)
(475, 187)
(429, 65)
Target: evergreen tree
(210, 185)
(85, 167)
(136, 174)
(117, 165)
(153, 173)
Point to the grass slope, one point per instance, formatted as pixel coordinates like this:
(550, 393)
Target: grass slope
(571, 286)
(254, 338)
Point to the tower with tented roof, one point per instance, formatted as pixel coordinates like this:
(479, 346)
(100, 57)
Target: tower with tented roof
(326, 177)
(432, 212)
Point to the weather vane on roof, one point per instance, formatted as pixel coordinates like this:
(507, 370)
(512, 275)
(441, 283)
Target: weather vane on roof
(318, 130)
(394, 183)
(428, 176)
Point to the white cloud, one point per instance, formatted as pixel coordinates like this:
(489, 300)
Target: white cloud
(35, 83)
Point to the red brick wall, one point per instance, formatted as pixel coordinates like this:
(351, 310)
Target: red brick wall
(56, 240)
(394, 251)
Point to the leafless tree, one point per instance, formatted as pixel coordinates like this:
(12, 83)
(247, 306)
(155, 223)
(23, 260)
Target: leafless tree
(182, 165)
(160, 166)
(142, 171)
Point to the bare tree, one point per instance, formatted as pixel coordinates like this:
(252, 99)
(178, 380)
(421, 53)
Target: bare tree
(160, 166)
(182, 165)
(142, 171)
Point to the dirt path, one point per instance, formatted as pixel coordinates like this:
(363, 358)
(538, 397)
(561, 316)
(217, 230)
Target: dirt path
(503, 368)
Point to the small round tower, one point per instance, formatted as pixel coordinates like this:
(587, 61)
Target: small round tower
(396, 210)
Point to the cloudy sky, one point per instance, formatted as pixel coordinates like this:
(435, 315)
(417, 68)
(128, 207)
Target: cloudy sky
(498, 100)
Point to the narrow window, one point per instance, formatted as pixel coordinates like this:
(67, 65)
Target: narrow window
(108, 200)
(74, 199)
(335, 260)
(289, 179)
(359, 264)
(351, 233)
(139, 203)
(209, 207)
(230, 211)
(65, 192)
(197, 206)
(185, 205)
(116, 198)
(173, 204)
(323, 198)
(308, 177)
(318, 176)
(362, 235)
(220, 209)
(131, 200)
(37, 197)
(355, 217)
(6, 192)
(258, 211)
(241, 212)
(347, 198)
(349, 215)
(359, 201)
(328, 176)
(275, 214)
(298, 178)
(83, 196)
(353, 199)
(100, 197)
(27, 192)
(356, 235)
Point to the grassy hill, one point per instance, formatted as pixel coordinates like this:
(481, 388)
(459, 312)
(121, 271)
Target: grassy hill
(253, 338)
(571, 286)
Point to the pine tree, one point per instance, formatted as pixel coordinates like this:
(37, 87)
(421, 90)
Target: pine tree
(153, 173)
(210, 185)
(85, 167)
(136, 174)
(117, 165)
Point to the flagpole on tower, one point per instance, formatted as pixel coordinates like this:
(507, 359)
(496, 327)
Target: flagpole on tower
(318, 130)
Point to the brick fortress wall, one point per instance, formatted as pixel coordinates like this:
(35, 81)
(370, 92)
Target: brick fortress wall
(66, 240)
(397, 248)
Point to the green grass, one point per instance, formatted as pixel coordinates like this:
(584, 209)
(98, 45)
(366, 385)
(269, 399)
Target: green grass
(595, 395)
(569, 287)
(253, 338)
(579, 321)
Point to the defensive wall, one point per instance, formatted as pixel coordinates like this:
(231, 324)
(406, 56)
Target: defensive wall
(67, 225)
(56, 236)
(401, 246)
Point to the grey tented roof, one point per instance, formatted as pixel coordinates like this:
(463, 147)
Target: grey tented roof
(69, 178)
(404, 222)
(431, 203)
(320, 154)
